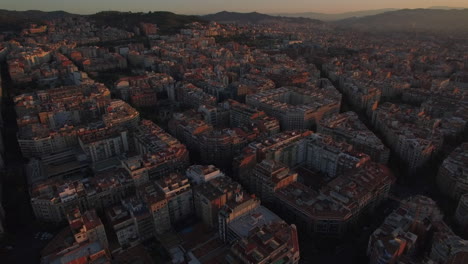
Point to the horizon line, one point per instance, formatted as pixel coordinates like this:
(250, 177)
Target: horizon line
(245, 12)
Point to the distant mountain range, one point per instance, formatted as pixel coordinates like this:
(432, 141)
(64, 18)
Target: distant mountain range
(411, 20)
(340, 16)
(439, 19)
(435, 19)
(255, 18)
(446, 7)
(345, 15)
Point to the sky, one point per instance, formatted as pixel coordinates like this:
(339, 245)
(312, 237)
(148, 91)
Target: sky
(212, 6)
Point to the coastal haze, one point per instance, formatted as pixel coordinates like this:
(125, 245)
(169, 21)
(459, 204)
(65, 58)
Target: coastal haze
(212, 6)
(239, 132)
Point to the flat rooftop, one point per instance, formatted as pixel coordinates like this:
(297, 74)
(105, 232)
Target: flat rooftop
(255, 218)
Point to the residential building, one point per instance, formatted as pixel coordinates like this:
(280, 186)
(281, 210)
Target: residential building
(142, 217)
(276, 242)
(199, 174)
(87, 227)
(332, 157)
(92, 252)
(267, 177)
(211, 196)
(239, 217)
(104, 143)
(123, 225)
(335, 207)
(189, 95)
(404, 231)
(219, 147)
(415, 137)
(297, 108)
(461, 214)
(452, 178)
(53, 199)
(119, 113)
(288, 148)
(157, 205)
(347, 127)
(136, 169)
(178, 193)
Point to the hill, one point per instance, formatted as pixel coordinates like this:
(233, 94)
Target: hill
(446, 7)
(411, 20)
(167, 22)
(255, 18)
(339, 16)
(15, 20)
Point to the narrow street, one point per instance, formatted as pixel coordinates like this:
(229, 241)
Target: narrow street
(20, 224)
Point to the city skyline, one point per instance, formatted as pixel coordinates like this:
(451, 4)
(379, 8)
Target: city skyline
(239, 138)
(213, 6)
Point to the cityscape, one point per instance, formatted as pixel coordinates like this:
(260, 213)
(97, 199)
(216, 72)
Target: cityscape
(144, 137)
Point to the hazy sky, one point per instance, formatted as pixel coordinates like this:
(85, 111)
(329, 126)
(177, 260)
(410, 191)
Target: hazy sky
(210, 6)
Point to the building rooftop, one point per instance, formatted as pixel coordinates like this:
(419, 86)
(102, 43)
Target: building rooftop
(347, 125)
(265, 241)
(457, 163)
(278, 141)
(203, 173)
(293, 99)
(243, 225)
(80, 253)
(153, 137)
(173, 183)
(58, 191)
(274, 170)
